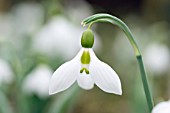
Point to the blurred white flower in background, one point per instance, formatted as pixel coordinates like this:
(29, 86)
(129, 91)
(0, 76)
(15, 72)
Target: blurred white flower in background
(6, 74)
(157, 58)
(5, 26)
(79, 10)
(23, 20)
(59, 37)
(162, 107)
(28, 17)
(37, 82)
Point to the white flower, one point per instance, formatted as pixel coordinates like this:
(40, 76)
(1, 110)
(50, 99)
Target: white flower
(162, 107)
(157, 57)
(37, 82)
(50, 39)
(87, 69)
(6, 74)
(86, 75)
(28, 17)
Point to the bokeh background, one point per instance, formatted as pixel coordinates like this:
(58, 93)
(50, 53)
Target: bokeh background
(37, 36)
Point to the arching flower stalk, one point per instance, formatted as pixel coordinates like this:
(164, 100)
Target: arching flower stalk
(87, 69)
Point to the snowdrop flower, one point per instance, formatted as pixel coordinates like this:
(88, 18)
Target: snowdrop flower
(162, 107)
(37, 82)
(87, 69)
(6, 74)
(157, 57)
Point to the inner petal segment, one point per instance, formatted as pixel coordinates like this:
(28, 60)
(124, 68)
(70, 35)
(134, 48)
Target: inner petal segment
(85, 61)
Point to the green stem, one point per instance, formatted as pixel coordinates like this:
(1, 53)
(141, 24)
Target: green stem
(145, 83)
(116, 21)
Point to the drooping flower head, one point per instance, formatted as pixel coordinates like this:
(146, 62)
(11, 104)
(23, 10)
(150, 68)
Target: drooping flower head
(87, 69)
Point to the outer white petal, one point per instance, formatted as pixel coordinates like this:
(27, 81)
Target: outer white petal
(85, 81)
(104, 76)
(65, 75)
(162, 107)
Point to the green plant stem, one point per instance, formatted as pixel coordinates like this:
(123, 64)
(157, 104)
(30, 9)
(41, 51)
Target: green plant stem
(145, 83)
(116, 21)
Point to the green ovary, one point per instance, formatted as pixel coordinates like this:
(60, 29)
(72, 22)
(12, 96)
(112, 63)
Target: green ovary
(87, 39)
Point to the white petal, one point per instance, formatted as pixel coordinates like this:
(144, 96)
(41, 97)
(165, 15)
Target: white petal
(162, 107)
(104, 76)
(65, 75)
(85, 81)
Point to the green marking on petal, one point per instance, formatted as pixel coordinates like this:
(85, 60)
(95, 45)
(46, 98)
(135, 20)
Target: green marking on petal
(81, 71)
(84, 69)
(87, 71)
(85, 58)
